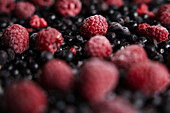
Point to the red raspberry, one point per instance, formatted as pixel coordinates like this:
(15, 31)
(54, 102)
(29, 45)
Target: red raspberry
(98, 78)
(157, 32)
(24, 10)
(115, 105)
(118, 3)
(149, 77)
(94, 25)
(37, 22)
(49, 39)
(141, 29)
(98, 46)
(68, 8)
(7, 6)
(163, 15)
(56, 74)
(25, 97)
(142, 1)
(16, 37)
(143, 9)
(129, 55)
(43, 2)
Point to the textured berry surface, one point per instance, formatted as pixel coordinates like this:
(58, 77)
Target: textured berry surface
(49, 39)
(98, 46)
(68, 8)
(115, 105)
(143, 9)
(97, 78)
(24, 10)
(7, 6)
(149, 77)
(43, 2)
(141, 1)
(141, 29)
(129, 55)
(159, 33)
(25, 97)
(118, 3)
(16, 37)
(94, 25)
(163, 15)
(56, 74)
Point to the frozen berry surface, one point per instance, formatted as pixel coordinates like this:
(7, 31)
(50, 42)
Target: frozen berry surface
(63, 34)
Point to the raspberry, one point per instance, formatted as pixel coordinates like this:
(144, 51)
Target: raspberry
(163, 15)
(143, 9)
(49, 39)
(98, 78)
(37, 22)
(115, 105)
(98, 46)
(118, 3)
(142, 1)
(94, 25)
(141, 29)
(24, 10)
(43, 2)
(7, 6)
(25, 97)
(129, 55)
(149, 77)
(68, 8)
(56, 74)
(16, 37)
(157, 32)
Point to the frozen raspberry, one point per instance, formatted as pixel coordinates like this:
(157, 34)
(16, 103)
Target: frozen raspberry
(129, 55)
(56, 74)
(98, 78)
(98, 46)
(37, 22)
(143, 9)
(142, 1)
(16, 37)
(49, 39)
(25, 97)
(157, 32)
(118, 3)
(43, 2)
(149, 77)
(115, 105)
(68, 8)
(94, 25)
(7, 6)
(163, 15)
(24, 10)
(141, 29)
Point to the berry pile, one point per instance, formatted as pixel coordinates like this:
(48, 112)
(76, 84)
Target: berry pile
(84, 56)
